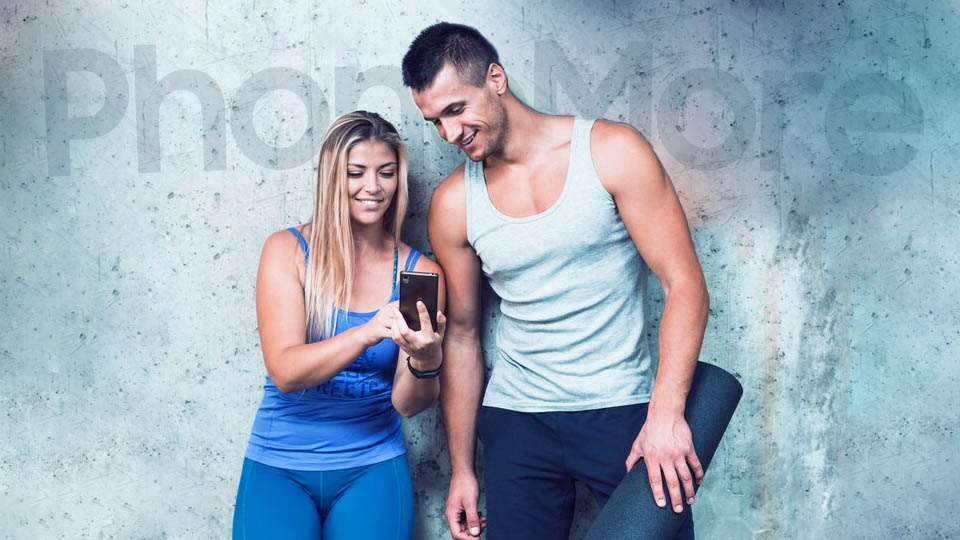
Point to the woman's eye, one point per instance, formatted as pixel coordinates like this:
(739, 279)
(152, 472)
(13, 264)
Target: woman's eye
(354, 175)
(388, 174)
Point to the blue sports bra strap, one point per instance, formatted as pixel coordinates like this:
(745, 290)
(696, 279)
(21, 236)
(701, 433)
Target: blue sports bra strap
(303, 244)
(396, 251)
(412, 259)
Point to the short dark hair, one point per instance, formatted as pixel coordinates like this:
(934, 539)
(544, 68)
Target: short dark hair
(462, 46)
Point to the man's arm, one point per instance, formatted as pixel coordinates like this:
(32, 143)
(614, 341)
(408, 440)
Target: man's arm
(651, 211)
(461, 380)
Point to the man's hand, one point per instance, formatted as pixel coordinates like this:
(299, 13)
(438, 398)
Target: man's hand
(666, 444)
(462, 516)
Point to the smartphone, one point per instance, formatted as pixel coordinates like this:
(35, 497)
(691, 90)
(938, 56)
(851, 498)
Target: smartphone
(418, 286)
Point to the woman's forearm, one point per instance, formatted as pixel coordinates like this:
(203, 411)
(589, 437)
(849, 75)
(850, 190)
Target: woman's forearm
(312, 364)
(410, 394)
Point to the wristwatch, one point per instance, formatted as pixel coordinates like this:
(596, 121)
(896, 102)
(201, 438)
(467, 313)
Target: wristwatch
(422, 374)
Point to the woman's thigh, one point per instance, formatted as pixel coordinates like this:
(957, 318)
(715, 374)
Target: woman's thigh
(375, 503)
(271, 504)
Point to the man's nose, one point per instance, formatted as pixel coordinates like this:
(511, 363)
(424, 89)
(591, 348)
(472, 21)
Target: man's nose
(450, 131)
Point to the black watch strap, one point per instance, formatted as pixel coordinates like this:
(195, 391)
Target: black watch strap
(422, 374)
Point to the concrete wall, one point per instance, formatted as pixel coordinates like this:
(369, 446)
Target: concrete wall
(814, 147)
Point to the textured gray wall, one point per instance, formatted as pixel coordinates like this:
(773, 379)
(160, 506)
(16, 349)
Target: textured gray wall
(815, 149)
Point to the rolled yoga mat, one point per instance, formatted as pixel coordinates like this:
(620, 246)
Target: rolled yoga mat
(631, 513)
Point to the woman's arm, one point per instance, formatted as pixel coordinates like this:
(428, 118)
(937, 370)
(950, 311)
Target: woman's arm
(291, 362)
(410, 394)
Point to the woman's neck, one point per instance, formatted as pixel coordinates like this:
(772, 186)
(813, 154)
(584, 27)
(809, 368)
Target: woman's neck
(370, 239)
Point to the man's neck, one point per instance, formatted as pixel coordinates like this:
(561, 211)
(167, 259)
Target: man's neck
(526, 135)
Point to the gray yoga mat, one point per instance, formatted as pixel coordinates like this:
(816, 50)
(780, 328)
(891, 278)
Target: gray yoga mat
(631, 513)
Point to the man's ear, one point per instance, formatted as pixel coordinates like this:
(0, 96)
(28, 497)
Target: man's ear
(497, 78)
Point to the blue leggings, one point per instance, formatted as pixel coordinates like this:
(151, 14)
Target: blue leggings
(372, 502)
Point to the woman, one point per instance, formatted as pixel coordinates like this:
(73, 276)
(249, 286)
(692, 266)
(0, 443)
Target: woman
(326, 457)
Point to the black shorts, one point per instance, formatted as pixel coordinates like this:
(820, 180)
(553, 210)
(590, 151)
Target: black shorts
(531, 461)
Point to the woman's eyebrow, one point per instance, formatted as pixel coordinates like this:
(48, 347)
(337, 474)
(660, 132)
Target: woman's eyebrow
(359, 166)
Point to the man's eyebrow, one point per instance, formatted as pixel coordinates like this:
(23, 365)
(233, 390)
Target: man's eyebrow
(447, 110)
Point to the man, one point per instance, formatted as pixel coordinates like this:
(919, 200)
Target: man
(561, 214)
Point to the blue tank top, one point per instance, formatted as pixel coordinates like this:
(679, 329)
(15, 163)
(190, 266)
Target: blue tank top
(348, 421)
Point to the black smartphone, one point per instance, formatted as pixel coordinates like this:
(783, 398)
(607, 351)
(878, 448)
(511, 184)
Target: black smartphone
(418, 286)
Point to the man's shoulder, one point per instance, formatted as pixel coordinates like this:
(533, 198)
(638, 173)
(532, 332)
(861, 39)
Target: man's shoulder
(450, 193)
(621, 154)
(612, 136)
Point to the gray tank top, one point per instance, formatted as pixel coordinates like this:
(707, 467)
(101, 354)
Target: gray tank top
(572, 335)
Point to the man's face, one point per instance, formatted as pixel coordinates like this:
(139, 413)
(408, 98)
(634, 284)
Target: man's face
(465, 115)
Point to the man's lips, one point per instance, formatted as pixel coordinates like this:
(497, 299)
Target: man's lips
(464, 143)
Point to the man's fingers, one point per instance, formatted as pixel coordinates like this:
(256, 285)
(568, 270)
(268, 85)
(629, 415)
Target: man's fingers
(673, 485)
(656, 483)
(457, 529)
(473, 519)
(686, 480)
(634, 457)
(695, 467)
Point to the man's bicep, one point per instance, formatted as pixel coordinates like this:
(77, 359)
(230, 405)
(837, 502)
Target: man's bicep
(647, 203)
(656, 222)
(461, 267)
(461, 270)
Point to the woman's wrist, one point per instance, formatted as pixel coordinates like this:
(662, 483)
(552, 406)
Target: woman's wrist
(426, 362)
(365, 335)
(420, 373)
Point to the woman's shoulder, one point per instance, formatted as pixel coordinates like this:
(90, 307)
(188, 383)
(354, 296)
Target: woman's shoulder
(284, 242)
(424, 263)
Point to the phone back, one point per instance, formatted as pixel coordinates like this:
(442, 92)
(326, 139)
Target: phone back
(418, 286)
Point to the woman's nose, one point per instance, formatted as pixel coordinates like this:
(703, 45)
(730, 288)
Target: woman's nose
(371, 182)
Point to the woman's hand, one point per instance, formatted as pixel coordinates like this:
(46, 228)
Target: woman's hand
(380, 326)
(425, 344)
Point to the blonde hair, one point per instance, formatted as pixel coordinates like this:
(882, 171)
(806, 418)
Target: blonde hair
(329, 272)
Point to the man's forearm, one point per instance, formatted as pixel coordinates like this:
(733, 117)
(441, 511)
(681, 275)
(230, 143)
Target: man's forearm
(460, 387)
(681, 335)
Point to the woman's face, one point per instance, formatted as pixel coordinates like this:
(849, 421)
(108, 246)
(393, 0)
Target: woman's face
(372, 170)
